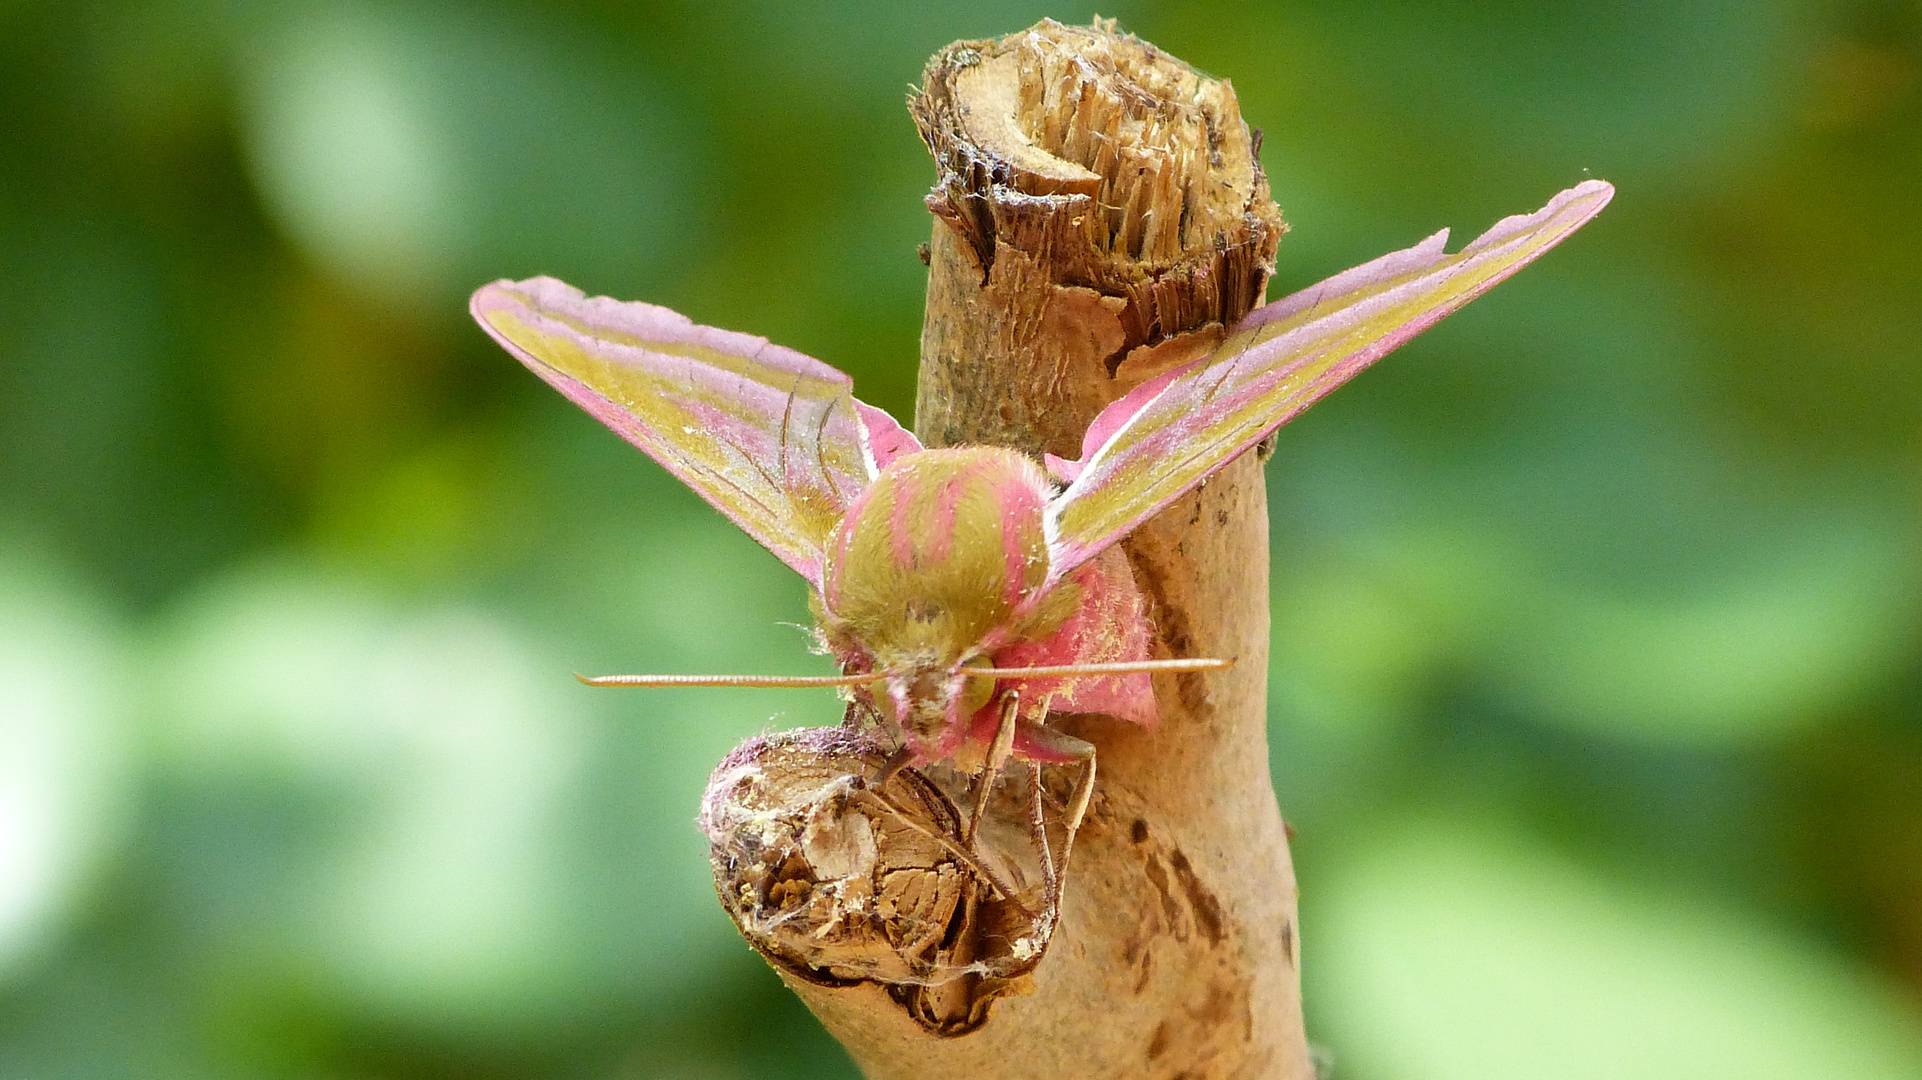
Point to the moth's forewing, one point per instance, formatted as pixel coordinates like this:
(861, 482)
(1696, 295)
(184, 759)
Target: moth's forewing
(1158, 443)
(773, 439)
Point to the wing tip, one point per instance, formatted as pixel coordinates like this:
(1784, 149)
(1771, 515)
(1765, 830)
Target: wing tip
(1596, 186)
(485, 299)
(1568, 211)
(508, 295)
(543, 295)
(553, 304)
(1587, 199)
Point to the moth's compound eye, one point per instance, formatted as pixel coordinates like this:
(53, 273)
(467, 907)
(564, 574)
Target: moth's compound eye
(976, 692)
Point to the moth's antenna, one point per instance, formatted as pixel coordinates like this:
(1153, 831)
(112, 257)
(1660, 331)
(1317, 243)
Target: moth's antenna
(731, 680)
(1123, 667)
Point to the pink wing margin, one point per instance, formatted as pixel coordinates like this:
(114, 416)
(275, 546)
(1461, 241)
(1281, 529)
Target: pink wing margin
(772, 439)
(1173, 432)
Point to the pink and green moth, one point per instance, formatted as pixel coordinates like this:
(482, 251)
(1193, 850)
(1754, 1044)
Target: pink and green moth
(968, 592)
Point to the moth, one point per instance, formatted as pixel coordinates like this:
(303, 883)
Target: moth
(967, 592)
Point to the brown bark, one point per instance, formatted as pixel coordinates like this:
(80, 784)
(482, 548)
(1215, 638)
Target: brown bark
(1100, 215)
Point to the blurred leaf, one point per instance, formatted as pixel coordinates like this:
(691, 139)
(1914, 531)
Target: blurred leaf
(1769, 647)
(1769, 644)
(1451, 949)
(67, 756)
(432, 890)
(418, 151)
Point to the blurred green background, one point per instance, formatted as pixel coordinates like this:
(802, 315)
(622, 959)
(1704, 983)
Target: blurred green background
(1597, 679)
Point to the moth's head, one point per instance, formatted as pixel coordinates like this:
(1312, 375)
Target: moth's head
(929, 702)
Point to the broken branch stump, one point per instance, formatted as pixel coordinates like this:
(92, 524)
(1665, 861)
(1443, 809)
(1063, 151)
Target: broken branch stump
(1100, 217)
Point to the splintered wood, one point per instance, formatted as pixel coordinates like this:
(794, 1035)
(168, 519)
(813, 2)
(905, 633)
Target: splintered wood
(1131, 172)
(1145, 133)
(1106, 217)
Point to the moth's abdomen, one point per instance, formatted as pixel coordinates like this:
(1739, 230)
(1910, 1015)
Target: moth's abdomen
(943, 551)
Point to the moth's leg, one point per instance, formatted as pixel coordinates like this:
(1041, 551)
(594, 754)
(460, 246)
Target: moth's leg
(1038, 828)
(1053, 870)
(1078, 809)
(997, 756)
(894, 764)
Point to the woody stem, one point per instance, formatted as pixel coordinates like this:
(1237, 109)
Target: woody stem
(1100, 216)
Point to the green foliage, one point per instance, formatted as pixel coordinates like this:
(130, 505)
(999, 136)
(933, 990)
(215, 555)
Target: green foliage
(1596, 609)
